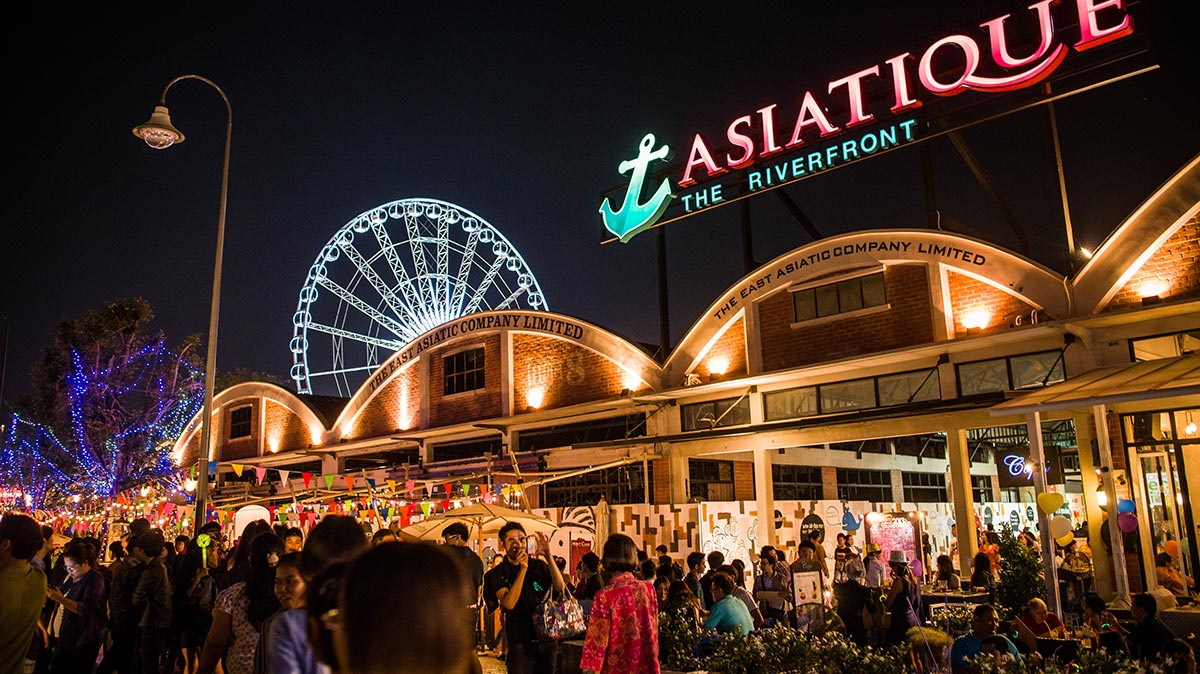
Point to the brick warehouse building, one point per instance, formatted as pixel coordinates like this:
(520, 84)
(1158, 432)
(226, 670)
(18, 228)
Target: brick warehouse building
(873, 367)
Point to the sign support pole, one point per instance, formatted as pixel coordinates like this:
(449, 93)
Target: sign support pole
(664, 311)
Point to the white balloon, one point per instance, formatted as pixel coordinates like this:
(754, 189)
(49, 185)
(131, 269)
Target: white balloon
(1060, 526)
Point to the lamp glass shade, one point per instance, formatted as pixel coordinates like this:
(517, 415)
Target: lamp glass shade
(158, 132)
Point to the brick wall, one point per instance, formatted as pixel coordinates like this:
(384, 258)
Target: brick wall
(730, 350)
(243, 447)
(566, 372)
(282, 423)
(829, 483)
(472, 405)
(743, 480)
(968, 294)
(1172, 272)
(660, 491)
(394, 408)
(908, 322)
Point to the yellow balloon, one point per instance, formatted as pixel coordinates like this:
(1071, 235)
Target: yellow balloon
(1049, 502)
(1065, 539)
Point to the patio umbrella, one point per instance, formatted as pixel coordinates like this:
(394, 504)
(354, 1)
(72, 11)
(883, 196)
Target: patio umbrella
(483, 519)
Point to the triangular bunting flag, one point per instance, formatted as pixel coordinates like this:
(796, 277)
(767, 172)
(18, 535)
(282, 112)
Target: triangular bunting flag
(307, 478)
(445, 506)
(328, 481)
(283, 476)
(447, 487)
(349, 482)
(392, 485)
(271, 513)
(237, 468)
(260, 473)
(371, 482)
(410, 485)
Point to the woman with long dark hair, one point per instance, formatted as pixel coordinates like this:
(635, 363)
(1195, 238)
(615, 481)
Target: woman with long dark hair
(432, 589)
(79, 617)
(241, 610)
(622, 634)
(238, 565)
(193, 597)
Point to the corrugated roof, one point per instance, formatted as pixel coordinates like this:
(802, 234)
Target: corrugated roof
(1147, 380)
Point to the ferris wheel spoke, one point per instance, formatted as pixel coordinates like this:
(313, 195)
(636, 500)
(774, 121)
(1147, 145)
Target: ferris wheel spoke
(382, 319)
(397, 304)
(420, 265)
(464, 272)
(482, 288)
(443, 264)
(346, 334)
(511, 299)
(398, 269)
(345, 370)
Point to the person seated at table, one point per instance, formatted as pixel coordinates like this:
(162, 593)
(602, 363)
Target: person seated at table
(1177, 656)
(984, 621)
(1148, 637)
(983, 577)
(1037, 622)
(1170, 577)
(996, 648)
(728, 613)
(1100, 625)
(946, 573)
(682, 603)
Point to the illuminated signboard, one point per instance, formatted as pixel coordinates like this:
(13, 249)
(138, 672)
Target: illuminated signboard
(779, 144)
(1015, 470)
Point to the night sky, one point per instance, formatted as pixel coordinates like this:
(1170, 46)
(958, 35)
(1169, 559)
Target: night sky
(515, 111)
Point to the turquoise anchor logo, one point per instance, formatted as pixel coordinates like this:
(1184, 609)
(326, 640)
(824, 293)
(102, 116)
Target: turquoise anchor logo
(633, 217)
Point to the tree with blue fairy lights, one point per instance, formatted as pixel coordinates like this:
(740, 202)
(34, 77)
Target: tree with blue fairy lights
(110, 399)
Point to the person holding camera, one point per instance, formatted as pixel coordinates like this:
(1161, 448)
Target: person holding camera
(518, 584)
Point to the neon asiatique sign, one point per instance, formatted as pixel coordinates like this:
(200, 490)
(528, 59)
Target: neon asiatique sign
(777, 144)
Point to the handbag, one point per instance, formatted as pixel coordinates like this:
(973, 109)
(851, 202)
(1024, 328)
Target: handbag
(558, 620)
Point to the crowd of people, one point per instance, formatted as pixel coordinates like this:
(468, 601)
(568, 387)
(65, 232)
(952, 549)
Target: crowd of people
(277, 601)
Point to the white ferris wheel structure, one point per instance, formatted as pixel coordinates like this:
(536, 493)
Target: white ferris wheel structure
(391, 274)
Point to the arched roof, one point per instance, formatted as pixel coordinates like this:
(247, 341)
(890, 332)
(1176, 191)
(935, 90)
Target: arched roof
(1138, 237)
(309, 413)
(1037, 285)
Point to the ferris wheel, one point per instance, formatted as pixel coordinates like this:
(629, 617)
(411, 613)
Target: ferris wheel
(392, 274)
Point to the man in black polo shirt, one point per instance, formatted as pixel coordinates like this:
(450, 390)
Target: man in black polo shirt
(518, 584)
(1150, 634)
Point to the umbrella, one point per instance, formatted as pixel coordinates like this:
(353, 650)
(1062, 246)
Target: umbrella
(483, 519)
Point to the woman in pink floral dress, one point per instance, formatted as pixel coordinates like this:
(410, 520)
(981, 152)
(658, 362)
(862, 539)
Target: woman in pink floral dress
(622, 634)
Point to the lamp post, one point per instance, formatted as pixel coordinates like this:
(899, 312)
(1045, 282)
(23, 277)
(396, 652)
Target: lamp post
(159, 134)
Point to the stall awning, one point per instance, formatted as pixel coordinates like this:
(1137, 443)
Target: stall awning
(1148, 380)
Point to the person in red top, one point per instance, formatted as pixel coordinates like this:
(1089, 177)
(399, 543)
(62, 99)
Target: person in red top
(622, 634)
(1036, 621)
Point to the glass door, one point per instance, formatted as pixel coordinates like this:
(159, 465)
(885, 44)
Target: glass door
(1168, 530)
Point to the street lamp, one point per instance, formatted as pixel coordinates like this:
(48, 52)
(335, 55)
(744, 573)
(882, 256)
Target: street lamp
(159, 133)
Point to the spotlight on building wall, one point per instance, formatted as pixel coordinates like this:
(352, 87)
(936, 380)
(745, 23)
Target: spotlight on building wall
(976, 319)
(718, 366)
(535, 396)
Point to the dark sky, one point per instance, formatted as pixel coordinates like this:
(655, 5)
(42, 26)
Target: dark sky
(518, 112)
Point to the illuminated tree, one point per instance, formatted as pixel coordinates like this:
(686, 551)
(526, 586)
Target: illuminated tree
(109, 400)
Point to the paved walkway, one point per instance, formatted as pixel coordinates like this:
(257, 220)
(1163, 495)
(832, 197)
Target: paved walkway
(492, 665)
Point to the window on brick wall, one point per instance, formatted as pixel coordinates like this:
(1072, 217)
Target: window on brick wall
(842, 297)
(981, 488)
(241, 422)
(797, 483)
(620, 484)
(790, 404)
(856, 484)
(601, 430)
(1031, 370)
(715, 414)
(465, 449)
(925, 487)
(1164, 346)
(843, 396)
(710, 480)
(464, 371)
